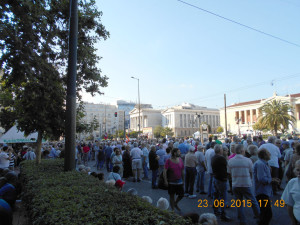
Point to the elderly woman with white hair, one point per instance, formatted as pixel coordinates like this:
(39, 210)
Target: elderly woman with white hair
(190, 164)
(253, 149)
(291, 196)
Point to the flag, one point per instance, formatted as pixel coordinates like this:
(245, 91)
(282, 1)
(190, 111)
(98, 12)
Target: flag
(105, 136)
(127, 139)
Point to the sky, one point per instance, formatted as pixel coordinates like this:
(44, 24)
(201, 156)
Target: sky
(182, 53)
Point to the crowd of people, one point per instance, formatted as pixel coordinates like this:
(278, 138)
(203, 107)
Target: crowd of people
(250, 169)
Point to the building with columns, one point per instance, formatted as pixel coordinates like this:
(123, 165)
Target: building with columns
(183, 119)
(149, 117)
(242, 116)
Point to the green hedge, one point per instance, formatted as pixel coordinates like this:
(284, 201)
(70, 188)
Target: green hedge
(53, 196)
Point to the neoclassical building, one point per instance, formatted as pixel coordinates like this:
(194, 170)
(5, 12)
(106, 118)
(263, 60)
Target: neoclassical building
(242, 116)
(183, 119)
(149, 118)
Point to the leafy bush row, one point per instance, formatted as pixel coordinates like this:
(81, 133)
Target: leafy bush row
(53, 196)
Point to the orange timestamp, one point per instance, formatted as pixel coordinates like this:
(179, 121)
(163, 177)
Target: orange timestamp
(265, 202)
(237, 203)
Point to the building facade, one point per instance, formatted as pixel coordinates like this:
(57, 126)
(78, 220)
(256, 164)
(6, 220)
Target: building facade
(242, 116)
(110, 118)
(126, 107)
(149, 118)
(185, 120)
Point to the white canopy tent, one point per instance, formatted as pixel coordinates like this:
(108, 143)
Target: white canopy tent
(13, 135)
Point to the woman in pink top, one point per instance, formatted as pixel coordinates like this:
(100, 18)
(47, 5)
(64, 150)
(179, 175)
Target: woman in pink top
(173, 177)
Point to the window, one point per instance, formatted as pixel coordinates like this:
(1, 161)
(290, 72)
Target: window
(184, 120)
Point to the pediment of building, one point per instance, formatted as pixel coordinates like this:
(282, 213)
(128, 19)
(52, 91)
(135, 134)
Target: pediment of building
(276, 97)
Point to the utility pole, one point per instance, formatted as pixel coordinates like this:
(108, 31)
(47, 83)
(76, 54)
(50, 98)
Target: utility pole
(139, 103)
(105, 118)
(226, 132)
(69, 161)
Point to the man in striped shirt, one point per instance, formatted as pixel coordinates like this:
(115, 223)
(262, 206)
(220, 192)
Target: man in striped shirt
(241, 170)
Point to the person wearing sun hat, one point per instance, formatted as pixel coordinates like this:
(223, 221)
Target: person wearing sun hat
(119, 184)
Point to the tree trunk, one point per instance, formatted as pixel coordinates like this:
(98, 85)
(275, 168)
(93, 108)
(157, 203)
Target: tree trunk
(38, 148)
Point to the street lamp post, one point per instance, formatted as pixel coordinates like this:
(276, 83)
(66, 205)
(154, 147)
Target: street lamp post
(139, 103)
(70, 124)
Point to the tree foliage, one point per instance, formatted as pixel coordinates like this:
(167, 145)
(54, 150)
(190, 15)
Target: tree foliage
(160, 132)
(133, 134)
(220, 130)
(33, 57)
(276, 115)
(259, 126)
(7, 114)
(81, 125)
(167, 132)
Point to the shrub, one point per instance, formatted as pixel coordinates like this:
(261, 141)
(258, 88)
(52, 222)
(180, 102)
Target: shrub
(53, 196)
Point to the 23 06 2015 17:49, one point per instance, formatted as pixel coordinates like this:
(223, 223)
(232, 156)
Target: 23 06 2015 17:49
(236, 203)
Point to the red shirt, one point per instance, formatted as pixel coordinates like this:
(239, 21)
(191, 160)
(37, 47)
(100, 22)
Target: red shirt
(86, 149)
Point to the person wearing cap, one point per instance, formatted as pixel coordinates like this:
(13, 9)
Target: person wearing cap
(119, 184)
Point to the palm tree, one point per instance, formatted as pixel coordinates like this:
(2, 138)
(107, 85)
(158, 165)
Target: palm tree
(276, 115)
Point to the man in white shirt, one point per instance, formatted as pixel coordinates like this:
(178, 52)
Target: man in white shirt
(241, 171)
(208, 155)
(5, 157)
(273, 162)
(145, 160)
(136, 156)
